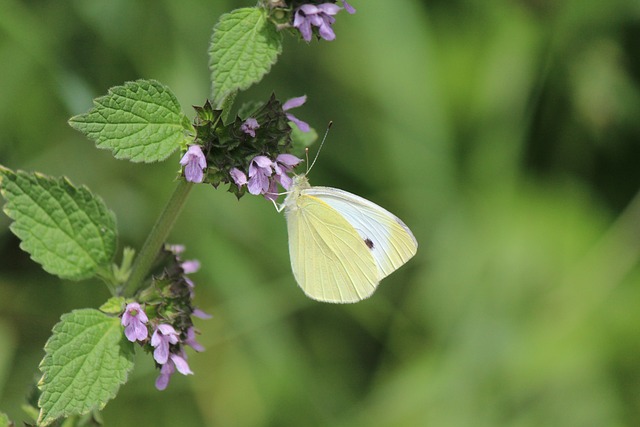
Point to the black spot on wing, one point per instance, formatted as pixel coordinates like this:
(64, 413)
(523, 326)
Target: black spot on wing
(369, 243)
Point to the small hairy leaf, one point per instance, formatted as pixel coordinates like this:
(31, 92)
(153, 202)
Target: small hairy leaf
(113, 305)
(87, 359)
(244, 46)
(140, 121)
(67, 229)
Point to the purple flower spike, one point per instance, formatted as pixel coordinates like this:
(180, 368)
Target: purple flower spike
(249, 127)
(163, 336)
(238, 177)
(294, 103)
(259, 173)
(194, 163)
(134, 320)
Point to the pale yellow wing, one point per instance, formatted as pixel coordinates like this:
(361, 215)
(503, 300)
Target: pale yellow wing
(390, 241)
(329, 259)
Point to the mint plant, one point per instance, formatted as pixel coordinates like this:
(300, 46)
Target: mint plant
(72, 234)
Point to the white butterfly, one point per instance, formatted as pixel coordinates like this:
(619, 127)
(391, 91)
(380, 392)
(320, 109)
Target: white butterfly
(340, 244)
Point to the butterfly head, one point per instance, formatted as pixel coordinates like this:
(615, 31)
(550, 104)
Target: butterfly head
(300, 182)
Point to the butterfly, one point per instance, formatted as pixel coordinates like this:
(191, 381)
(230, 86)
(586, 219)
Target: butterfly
(341, 245)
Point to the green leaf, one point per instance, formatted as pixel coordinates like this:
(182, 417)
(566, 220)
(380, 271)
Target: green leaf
(114, 305)
(244, 46)
(140, 121)
(87, 359)
(66, 229)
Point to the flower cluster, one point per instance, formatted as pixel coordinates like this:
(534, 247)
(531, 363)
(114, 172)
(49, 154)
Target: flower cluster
(320, 16)
(265, 175)
(227, 146)
(170, 325)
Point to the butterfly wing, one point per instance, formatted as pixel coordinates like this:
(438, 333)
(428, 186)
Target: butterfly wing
(389, 240)
(329, 259)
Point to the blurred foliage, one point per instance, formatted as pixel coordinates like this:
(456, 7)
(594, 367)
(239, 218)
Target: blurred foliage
(505, 133)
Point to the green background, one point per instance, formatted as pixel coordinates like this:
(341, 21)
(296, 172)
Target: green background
(505, 133)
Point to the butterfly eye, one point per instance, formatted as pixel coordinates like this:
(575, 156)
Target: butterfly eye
(369, 243)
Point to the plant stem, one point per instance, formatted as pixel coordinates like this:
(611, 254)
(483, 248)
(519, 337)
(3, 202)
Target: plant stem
(157, 237)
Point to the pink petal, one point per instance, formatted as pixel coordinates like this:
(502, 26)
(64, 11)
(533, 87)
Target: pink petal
(294, 102)
(329, 8)
(238, 177)
(190, 266)
(348, 7)
(201, 314)
(288, 159)
(303, 126)
(181, 364)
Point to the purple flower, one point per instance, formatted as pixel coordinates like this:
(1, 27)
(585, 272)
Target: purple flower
(320, 16)
(238, 177)
(249, 127)
(180, 360)
(176, 249)
(162, 337)
(190, 266)
(259, 173)
(175, 361)
(194, 163)
(165, 374)
(201, 314)
(293, 103)
(134, 320)
(348, 7)
(191, 340)
(262, 179)
(282, 166)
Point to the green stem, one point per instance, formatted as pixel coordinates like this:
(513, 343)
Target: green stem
(157, 237)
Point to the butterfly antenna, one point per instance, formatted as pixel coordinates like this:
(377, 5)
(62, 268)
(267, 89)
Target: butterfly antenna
(319, 148)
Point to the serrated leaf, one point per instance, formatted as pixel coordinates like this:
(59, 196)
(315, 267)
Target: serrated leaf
(87, 359)
(66, 229)
(244, 46)
(140, 121)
